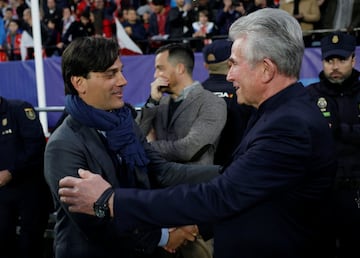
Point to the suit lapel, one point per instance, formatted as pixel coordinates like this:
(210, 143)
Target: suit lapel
(99, 153)
(191, 97)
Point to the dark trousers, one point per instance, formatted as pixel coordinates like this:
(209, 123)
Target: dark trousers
(24, 212)
(347, 222)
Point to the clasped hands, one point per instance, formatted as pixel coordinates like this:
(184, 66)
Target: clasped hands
(80, 194)
(5, 177)
(180, 236)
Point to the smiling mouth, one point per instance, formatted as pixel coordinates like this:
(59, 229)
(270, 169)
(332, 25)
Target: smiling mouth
(118, 94)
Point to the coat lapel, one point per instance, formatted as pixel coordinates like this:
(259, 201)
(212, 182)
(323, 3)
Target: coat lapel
(192, 96)
(99, 153)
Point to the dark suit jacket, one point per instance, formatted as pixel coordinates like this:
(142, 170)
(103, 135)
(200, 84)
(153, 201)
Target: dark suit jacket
(74, 146)
(269, 202)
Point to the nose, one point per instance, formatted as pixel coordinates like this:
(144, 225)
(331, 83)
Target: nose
(229, 76)
(121, 81)
(156, 74)
(335, 63)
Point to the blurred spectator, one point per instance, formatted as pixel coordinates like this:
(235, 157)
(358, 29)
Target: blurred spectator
(2, 32)
(158, 25)
(340, 14)
(123, 15)
(72, 4)
(135, 29)
(7, 18)
(203, 29)
(144, 8)
(54, 13)
(13, 4)
(13, 41)
(259, 4)
(199, 5)
(81, 7)
(66, 20)
(180, 19)
(27, 26)
(347, 14)
(103, 12)
(83, 27)
(307, 12)
(3, 7)
(145, 18)
(158, 28)
(133, 26)
(20, 8)
(52, 39)
(3, 56)
(232, 10)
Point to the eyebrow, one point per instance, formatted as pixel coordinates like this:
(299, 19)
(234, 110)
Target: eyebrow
(115, 69)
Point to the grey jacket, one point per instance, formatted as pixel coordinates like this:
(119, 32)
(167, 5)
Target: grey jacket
(194, 130)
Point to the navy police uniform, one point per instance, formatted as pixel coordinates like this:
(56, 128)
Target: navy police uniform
(340, 105)
(24, 200)
(216, 55)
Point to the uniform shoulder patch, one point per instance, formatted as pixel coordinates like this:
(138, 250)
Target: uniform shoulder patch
(4, 122)
(30, 113)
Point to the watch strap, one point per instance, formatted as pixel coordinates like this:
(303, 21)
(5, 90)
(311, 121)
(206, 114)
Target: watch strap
(101, 206)
(151, 102)
(105, 196)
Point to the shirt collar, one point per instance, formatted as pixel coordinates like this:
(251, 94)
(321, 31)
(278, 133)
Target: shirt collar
(185, 92)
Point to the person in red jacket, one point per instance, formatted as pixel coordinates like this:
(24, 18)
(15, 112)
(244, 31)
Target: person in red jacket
(13, 40)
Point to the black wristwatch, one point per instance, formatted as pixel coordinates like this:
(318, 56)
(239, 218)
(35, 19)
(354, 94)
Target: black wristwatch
(101, 206)
(151, 102)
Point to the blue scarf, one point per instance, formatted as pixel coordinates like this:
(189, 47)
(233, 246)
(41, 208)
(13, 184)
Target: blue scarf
(117, 125)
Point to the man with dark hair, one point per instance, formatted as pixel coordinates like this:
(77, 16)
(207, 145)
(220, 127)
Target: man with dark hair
(183, 125)
(100, 134)
(338, 97)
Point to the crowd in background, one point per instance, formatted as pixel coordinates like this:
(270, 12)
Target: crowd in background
(152, 23)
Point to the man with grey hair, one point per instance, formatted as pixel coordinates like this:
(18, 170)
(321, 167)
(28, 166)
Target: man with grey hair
(270, 200)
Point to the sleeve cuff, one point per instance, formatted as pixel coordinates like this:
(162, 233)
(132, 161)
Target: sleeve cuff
(164, 237)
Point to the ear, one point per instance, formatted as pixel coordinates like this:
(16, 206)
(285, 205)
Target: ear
(353, 61)
(180, 68)
(269, 70)
(206, 66)
(78, 83)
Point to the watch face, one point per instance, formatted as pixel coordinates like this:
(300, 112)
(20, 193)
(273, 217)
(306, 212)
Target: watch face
(100, 210)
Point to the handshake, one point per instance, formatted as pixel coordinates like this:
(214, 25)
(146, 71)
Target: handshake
(83, 195)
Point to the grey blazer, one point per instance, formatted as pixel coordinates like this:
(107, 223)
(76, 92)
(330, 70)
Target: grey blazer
(194, 130)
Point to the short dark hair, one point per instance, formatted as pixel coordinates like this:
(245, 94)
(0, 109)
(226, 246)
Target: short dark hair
(179, 53)
(85, 55)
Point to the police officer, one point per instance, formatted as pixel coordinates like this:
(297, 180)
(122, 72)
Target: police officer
(216, 57)
(338, 97)
(24, 197)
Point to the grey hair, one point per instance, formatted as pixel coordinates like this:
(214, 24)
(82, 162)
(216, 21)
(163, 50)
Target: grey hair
(274, 34)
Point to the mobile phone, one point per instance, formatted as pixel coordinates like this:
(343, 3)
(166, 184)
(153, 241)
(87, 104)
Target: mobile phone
(162, 87)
